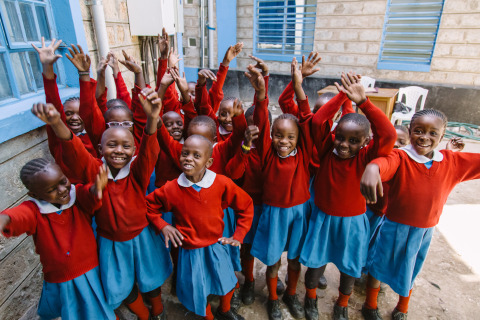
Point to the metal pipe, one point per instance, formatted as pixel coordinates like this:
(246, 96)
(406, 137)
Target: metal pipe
(100, 26)
(210, 34)
(202, 30)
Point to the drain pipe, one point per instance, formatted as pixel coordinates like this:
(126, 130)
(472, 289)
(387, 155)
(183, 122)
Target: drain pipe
(202, 30)
(210, 34)
(100, 26)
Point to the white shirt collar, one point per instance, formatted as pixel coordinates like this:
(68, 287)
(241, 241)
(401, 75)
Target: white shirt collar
(222, 131)
(81, 133)
(291, 154)
(123, 173)
(410, 150)
(182, 141)
(206, 182)
(46, 207)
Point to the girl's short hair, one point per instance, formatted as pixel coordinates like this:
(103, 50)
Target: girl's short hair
(119, 107)
(31, 168)
(358, 119)
(250, 111)
(116, 102)
(401, 128)
(430, 112)
(285, 116)
(205, 121)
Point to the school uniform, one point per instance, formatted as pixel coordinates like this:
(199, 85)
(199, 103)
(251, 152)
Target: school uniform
(283, 223)
(339, 231)
(204, 266)
(129, 250)
(66, 245)
(419, 188)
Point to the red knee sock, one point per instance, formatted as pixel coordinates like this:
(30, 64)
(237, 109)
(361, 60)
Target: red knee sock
(371, 299)
(272, 288)
(225, 301)
(208, 312)
(237, 286)
(402, 305)
(342, 300)
(311, 293)
(247, 265)
(157, 304)
(292, 281)
(139, 308)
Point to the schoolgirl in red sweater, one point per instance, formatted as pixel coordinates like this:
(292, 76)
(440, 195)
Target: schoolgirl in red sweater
(59, 217)
(412, 212)
(338, 230)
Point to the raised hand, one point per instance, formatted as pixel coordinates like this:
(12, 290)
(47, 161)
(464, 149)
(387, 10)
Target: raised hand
(172, 234)
(237, 108)
(173, 58)
(46, 54)
(130, 63)
(167, 79)
(47, 113)
(257, 81)
(231, 53)
(80, 60)
(181, 84)
(113, 63)
(455, 144)
(352, 87)
(371, 183)
(296, 72)
(260, 65)
(251, 133)
(230, 241)
(4, 221)
(101, 182)
(163, 44)
(151, 103)
(205, 74)
(308, 66)
(102, 66)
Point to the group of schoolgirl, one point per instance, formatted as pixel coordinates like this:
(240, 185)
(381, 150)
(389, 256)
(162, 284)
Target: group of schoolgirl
(291, 179)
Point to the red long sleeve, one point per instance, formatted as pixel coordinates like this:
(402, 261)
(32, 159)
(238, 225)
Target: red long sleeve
(122, 90)
(90, 112)
(102, 101)
(286, 102)
(216, 91)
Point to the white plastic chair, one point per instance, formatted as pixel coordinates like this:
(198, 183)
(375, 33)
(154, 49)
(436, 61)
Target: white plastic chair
(367, 82)
(409, 96)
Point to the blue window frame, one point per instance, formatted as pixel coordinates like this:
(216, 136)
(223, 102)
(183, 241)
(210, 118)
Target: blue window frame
(409, 34)
(23, 23)
(283, 28)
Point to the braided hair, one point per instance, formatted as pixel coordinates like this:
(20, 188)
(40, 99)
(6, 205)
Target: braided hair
(31, 168)
(286, 116)
(72, 99)
(430, 112)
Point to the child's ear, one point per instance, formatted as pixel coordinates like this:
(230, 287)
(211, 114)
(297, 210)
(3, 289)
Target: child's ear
(32, 195)
(134, 149)
(99, 147)
(367, 141)
(209, 163)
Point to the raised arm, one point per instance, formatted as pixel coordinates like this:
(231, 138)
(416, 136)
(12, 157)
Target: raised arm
(101, 89)
(19, 220)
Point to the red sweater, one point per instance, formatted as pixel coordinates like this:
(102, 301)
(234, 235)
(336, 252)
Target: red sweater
(65, 242)
(337, 177)
(122, 93)
(123, 214)
(247, 169)
(285, 180)
(199, 215)
(417, 195)
(222, 151)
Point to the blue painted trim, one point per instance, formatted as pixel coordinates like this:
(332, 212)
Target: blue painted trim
(226, 28)
(191, 74)
(180, 51)
(17, 119)
(278, 57)
(401, 66)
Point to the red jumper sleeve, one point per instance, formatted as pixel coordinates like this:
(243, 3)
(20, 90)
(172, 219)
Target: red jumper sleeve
(90, 112)
(86, 201)
(216, 91)
(52, 95)
(203, 106)
(102, 101)
(387, 165)
(242, 204)
(467, 165)
(143, 165)
(260, 119)
(122, 90)
(162, 68)
(82, 165)
(139, 116)
(157, 202)
(23, 219)
(235, 168)
(189, 113)
(286, 100)
(347, 107)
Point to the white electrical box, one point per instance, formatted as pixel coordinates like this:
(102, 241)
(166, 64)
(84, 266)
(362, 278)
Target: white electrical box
(148, 17)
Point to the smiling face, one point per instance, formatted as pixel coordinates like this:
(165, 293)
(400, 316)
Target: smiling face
(51, 185)
(117, 147)
(174, 124)
(195, 157)
(191, 89)
(225, 114)
(426, 132)
(350, 137)
(402, 139)
(74, 122)
(120, 115)
(284, 136)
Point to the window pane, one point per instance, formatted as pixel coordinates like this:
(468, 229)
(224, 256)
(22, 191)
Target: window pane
(28, 22)
(22, 73)
(12, 21)
(36, 69)
(43, 22)
(5, 89)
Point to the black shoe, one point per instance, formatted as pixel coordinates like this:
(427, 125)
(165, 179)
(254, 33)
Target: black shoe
(161, 316)
(397, 315)
(273, 309)
(247, 292)
(229, 315)
(322, 283)
(311, 308)
(340, 313)
(235, 301)
(294, 306)
(280, 287)
(371, 314)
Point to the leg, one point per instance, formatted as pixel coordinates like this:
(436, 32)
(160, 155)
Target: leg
(340, 310)
(225, 312)
(155, 298)
(208, 312)
(311, 280)
(273, 306)
(248, 262)
(134, 302)
(401, 310)
(290, 297)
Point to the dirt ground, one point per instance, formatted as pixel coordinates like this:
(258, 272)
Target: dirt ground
(447, 288)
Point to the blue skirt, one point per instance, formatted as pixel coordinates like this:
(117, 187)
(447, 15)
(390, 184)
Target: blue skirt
(79, 298)
(143, 259)
(257, 212)
(279, 230)
(202, 272)
(340, 240)
(398, 254)
(228, 231)
(374, 220)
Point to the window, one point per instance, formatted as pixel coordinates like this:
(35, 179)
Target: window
(283, 29)
(409, 34)
(22, 23)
